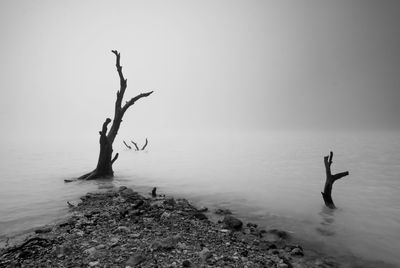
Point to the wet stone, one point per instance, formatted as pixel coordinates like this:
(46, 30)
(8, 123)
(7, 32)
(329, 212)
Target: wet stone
(232, 222)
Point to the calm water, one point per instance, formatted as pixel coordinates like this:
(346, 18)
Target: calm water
(274, 179)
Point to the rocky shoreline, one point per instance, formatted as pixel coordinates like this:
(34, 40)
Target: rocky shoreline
(121, 228)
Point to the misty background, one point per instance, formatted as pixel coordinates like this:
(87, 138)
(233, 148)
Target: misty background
(248, 98)
(214, 65)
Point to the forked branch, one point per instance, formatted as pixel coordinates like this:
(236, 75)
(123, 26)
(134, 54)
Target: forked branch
(135, 144)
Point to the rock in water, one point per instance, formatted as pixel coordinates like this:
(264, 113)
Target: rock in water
(232, 222)
(121, 188)
(202, 209)
(43, 230)
(275, 235)
(221, 211)
(297, 252)
(200, 216)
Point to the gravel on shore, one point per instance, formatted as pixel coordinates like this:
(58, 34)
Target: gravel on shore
(121, 228)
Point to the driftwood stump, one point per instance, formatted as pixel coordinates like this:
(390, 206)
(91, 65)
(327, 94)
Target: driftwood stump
(330, 179)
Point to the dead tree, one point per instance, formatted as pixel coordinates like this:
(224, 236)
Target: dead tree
(330, 179)
(105, 161)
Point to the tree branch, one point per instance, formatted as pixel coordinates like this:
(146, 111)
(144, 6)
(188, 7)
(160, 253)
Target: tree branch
(327, 165)
(115, 158)
(123, 83)
(133, 100)
(340, 175)
(134, 143)
(145, 144)
(119, 70)
(330, 157)
(129, 147)
(83, 177)
(104, 129)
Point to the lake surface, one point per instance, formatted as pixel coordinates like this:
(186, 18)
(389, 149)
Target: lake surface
(274, 179)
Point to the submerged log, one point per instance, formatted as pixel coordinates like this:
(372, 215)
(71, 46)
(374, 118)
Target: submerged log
(330, 179)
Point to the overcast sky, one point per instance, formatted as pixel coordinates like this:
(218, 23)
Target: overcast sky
(214, 65)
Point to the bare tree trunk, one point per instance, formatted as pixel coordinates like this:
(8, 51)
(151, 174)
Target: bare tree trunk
(105, 161)
(330, 179)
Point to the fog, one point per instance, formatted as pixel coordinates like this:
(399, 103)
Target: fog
(213, 65)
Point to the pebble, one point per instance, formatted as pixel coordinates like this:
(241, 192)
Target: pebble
(135, 260)
(114, 241)
(101, 246)
(297, 252)
(94, 263)
(186, 263)
(165, 215)
(205, 254)
(90, 251)
(123, 229)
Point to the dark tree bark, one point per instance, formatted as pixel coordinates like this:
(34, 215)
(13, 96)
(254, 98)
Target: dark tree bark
(105, 161)
(330, 179)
